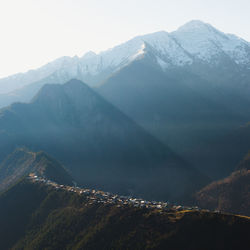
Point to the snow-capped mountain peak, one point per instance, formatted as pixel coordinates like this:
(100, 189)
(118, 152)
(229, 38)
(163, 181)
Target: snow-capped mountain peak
(205, 42)
(192, 42)
(89, 54)
(195, 25)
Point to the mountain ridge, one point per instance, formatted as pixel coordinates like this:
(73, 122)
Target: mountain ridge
(61, 220)
(230, 194)
(96, 142)
(22, 162)
(172, 49)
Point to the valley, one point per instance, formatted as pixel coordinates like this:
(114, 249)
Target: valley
(141, 146)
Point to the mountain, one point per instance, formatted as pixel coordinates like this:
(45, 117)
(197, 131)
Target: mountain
(205, 42)
(97, 143)
(23, 162)
(189, 119)
(191, 44)
(187, 88)
(38, 216)
(188, 106)
(230, 194)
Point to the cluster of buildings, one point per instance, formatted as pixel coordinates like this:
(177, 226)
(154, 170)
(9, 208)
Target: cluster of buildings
(97, 196)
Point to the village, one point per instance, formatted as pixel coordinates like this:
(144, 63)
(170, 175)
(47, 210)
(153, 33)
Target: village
(97, 196)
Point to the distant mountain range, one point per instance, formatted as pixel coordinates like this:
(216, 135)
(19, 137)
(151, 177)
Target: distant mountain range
(193, 43)
(164, 116)
(97, 143)
(187, 88)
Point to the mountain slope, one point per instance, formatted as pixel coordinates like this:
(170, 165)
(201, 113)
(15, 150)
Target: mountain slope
(178, 107)
(193, 43)
(187, 87)
(22, 162)
(35, 216)
(203, 41)
(231, 194)
(98, 144)
(188, 106)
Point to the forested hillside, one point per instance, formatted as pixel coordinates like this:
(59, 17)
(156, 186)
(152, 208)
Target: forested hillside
(36, 216)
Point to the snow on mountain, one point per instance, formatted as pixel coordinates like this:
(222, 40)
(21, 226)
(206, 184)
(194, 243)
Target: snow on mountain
(205, 42)
(111, 59)
(193, 41)
(167, 50)
(63, 65)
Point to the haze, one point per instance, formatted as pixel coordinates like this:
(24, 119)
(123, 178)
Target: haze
(34, 32)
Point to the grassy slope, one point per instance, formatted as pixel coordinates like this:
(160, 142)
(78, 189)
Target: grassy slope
(34, 216)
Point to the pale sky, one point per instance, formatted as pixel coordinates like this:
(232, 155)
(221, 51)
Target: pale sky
(34, 32)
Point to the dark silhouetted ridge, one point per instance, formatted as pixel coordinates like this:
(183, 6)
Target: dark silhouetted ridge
(23, 162)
